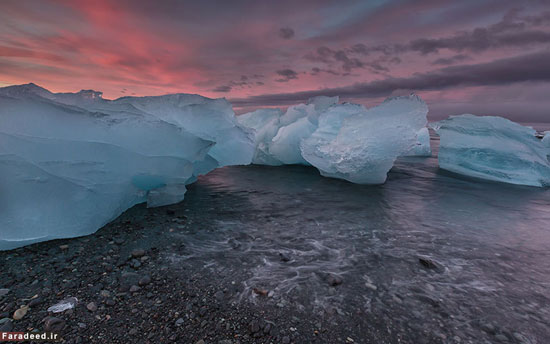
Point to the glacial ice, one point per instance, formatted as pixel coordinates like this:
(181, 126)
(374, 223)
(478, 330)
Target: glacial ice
(344, 141)
(360, 145)
(546, 139)
(72, 162)
(492, 148)
(422, 146)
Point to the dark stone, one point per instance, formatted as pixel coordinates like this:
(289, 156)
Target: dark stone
(127, 280)
(284, 257)
(53, 324)
(92, 307)
(254, 326)
(334, 280)
(35, 302)
(203, 311)
(286, 340)
(7, 326)
(138, 253)
(219, 295)
(135, 264)
(144, 280)
(429, 263)
(170, 212)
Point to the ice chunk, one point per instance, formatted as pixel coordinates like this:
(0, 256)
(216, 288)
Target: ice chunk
(422, 146)
(546, 139)
(492, 148)
(361, 145)
(210, 119)
(278, 135)
(63, 305)
(70, 163)
(265, 123)
(285, 146)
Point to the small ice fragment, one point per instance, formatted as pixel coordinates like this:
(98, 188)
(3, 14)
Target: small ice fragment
(64, 305)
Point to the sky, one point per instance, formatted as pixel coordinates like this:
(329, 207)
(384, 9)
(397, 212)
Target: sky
(470, 56)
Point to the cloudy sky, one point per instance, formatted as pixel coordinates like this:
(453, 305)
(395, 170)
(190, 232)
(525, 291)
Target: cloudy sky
(484, 57)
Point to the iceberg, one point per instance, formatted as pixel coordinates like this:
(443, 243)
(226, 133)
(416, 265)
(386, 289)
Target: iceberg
(492, 148)
(422, 146)
(361, 145)
(344, 141)
(546, 139)
(278, 135)
(265, 124)
(72, 162)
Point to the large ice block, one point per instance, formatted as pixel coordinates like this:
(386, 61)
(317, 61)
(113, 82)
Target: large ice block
(361, 145)
(72, 162)
(492, 148)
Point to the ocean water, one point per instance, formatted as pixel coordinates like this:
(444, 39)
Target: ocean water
(287, 229)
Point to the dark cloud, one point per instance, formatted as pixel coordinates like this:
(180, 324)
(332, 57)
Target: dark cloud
(531, 67)
(286, 33)
(222, 89)
(451, 60)
(479, 39)
(286, 74)
(512, 31)
(330, 57)
(316, 70)
(348, 62)
(243, 81)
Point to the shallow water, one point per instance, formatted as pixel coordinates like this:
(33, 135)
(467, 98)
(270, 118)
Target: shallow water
(285, 229)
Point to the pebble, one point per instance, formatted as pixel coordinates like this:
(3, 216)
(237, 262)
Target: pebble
(4, 291)
(254, 326)
(134, 288)
(92, 307)
(286, 340)
(53, 324)
(64, 247)
(428, 263)
(35, 302)
(284, 257)
(135, 264)
(104, 293)
(145, 280)
(138, 253)
(133, 332)
(6, 325)
(20, 313)
(200, 342)
(489, 328)
(501, 337)
(371, 286)
(179, 322)
(261, 292)
(334, 280)
(127, 279)
(219, 295)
